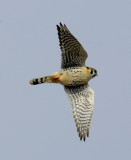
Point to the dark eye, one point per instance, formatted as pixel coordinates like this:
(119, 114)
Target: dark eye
(91, 71)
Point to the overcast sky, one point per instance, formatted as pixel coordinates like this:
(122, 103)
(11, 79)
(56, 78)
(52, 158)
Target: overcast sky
(36, 121)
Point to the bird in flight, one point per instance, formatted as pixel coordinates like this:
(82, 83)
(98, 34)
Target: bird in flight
(74, 76)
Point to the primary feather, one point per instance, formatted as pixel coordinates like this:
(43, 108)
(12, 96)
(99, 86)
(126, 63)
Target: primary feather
(82, 101)
(73, 54)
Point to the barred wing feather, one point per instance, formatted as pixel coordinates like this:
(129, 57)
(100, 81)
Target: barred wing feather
(73, 54)
(82, 101)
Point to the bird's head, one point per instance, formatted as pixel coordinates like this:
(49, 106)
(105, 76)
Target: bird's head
(92, 72)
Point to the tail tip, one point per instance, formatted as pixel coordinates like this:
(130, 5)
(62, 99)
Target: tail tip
(31, 82)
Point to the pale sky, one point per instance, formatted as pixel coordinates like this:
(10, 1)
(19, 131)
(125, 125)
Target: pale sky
(36, 121)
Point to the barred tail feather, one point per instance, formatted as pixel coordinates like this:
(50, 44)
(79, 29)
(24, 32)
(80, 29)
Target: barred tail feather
(36, 81)
(53, 78)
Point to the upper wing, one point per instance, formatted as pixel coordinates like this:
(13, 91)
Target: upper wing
(82, 100)
(73, 54)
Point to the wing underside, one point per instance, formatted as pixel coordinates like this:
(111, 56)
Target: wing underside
(82, 101)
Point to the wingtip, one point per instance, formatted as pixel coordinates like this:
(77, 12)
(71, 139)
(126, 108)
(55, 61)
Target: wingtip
(83, 136)
(61, 24)
(57, 26)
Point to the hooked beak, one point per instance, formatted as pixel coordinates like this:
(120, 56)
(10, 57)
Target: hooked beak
(96, 73)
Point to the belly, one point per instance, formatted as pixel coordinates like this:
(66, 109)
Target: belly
(74, 77)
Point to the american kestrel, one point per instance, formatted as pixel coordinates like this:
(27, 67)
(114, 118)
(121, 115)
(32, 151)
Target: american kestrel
(74, 76)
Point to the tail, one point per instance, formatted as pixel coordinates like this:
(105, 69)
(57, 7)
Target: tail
(54, 78)
(36, 81)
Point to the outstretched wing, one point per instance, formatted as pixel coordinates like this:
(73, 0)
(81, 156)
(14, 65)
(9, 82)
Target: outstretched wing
(73, 54)
(82, 101)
